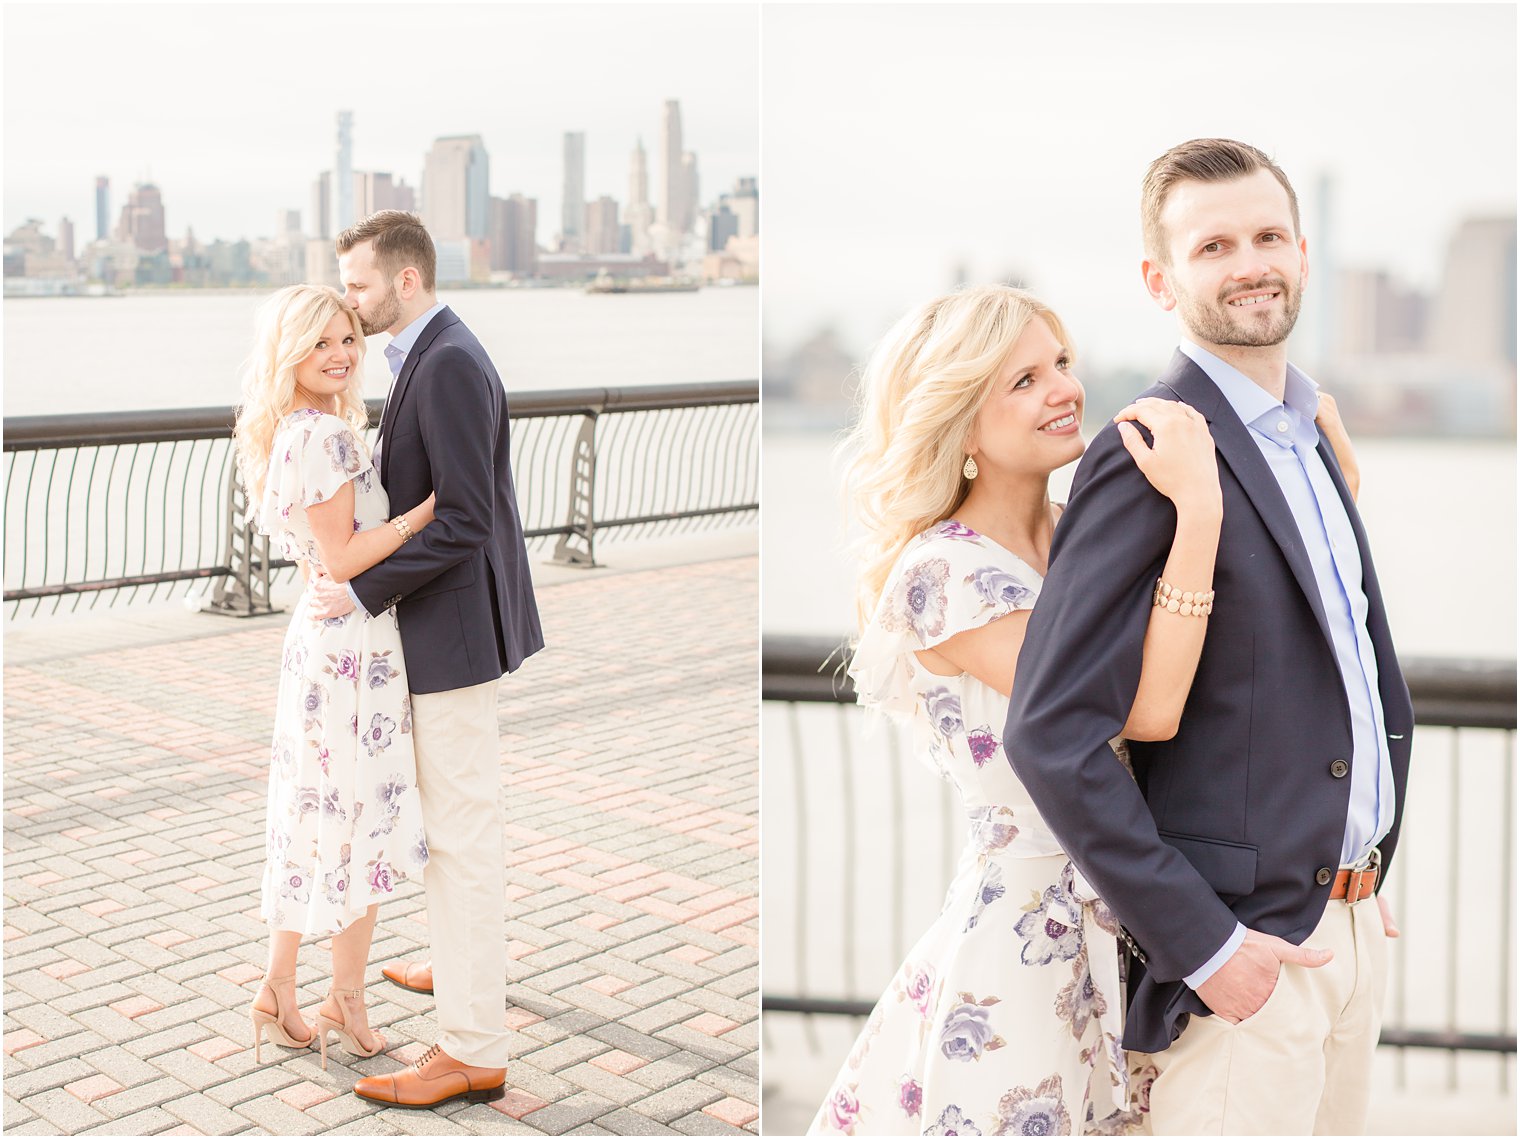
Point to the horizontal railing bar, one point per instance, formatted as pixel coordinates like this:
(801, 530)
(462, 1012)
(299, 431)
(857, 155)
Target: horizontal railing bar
(122, 582)
(99, 428)
(1453, 692)
(675, 515)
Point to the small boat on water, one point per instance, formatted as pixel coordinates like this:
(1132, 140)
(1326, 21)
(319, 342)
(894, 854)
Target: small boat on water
(605, 283)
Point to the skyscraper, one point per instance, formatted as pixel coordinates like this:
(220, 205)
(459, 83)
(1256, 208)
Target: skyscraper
(602, 234)
(639, 215)
(142, 219)
(573, 209)
(321, 207)
(691, 195)
(66, 238)
(745, 202)
(456, 188)
(514, 234)
(1474, 313)
(102, 208)
(343, 172)
(669, 209)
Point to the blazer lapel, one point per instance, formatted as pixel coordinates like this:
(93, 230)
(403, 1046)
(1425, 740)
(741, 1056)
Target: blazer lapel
(404, 380)
(1232, 439)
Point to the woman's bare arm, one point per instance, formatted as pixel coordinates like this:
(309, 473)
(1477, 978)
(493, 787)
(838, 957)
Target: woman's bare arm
(346, 553)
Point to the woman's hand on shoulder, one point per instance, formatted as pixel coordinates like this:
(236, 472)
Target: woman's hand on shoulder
(1328, 420)
(1180, 461)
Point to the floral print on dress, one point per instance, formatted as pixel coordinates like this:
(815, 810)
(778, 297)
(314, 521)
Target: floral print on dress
(968, 1031)
(1006, 1014)
(1037, 1111)
(344, 823)
(999, 589)
(918, 602)
(952, 1122)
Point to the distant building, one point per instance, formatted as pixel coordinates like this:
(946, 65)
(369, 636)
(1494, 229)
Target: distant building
(321, 262)
(670, 207)
(343, 173)
(287, 226)
(102, 208)
(722, 223)
(639, 215)
(66, 239)
(745, 202)
(379, 191)
(573, 206)
(465, 260)
(514, 235)
(321, 212)
(602, 233)
(738, 260)
(1474, 314)
(1378, 315)
(455, 189)
(142, 220)
(691, 193)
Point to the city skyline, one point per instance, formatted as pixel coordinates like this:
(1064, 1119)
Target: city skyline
(228, 182)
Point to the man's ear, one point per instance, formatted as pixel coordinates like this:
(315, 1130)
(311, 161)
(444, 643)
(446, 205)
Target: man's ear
(410, 283)
(1156, 284)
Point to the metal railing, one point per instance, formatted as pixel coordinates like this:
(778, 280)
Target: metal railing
(849, 852)
(126, 506)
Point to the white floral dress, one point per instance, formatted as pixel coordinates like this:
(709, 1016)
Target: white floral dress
(344, 820)
(1007, 1015)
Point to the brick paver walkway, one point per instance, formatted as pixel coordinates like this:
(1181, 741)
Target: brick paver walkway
(134, 799)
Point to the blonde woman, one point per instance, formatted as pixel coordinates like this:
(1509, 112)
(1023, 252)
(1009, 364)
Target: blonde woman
(344, 824)
(1007, 1015)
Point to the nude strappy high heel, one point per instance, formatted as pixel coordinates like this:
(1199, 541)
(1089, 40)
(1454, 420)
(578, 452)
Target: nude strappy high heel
(326, 1024)
(274, 1021)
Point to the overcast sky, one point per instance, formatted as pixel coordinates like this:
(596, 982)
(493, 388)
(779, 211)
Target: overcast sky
(232, 108)
(1012, 140)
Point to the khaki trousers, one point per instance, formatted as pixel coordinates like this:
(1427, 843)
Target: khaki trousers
(459, 782)
(1303, 1063)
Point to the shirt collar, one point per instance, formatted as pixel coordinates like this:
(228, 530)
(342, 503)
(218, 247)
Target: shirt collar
(1258, 410)
(404, 341)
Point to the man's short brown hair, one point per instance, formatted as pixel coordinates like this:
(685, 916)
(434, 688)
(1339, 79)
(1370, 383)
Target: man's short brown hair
(1201, 160)
(400, 240)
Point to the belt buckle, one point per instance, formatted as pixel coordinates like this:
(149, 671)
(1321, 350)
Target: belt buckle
(1357, 876)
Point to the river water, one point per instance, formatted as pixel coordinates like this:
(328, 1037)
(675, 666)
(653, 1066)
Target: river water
(184, 349)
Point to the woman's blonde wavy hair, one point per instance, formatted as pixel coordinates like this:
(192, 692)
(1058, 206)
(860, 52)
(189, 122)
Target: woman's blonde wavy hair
(918, 399)
(289, 325)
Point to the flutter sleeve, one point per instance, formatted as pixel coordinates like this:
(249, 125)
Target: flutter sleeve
(309, 463)
(947, 581)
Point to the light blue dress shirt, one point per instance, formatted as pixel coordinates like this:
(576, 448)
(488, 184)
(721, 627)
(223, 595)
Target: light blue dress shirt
(396, 353)
(1287, 438)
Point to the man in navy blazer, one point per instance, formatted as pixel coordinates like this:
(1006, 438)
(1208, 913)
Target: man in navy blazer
(464, 600)
(1237, 856)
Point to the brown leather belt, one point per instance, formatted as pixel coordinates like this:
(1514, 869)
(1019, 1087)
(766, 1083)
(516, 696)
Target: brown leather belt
(1354, 885)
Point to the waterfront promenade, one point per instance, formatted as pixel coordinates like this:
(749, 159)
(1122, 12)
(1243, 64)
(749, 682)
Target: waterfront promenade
(135, 747)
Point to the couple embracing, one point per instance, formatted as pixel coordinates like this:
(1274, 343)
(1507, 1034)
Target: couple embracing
(418, 599)
(1173, 712)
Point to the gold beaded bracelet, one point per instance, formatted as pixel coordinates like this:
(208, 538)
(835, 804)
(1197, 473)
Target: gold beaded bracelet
(1185, 603)
(403, 527)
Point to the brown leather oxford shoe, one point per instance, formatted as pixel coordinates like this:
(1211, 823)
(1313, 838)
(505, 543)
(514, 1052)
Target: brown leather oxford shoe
(434, 1079)
(414, 975)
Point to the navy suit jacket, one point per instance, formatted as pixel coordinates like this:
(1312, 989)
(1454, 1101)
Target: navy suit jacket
(1234, 817)
(461, 587)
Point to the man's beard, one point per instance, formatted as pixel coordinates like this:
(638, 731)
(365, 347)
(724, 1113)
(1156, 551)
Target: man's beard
(387, 313)
(1212, 323)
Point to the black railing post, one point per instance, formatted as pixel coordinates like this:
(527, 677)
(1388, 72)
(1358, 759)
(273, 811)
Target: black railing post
(577, 546)
(244, 590)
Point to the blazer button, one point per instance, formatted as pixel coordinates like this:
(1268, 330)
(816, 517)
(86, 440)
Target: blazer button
(1323, 876)
(1339, 767)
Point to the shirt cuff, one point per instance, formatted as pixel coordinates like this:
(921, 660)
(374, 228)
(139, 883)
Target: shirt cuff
(359, 605)
(1211, 966)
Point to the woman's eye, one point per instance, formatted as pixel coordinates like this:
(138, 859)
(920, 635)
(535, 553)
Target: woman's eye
(1024, 381)
(321, 344)
(1063, 363)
